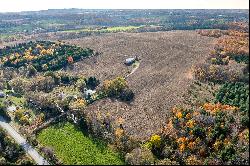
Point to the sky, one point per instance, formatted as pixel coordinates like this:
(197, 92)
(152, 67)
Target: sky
(34, 5)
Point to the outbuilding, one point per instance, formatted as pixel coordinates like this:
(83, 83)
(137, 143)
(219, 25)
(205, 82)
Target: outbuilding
(129, 61)
(2, 94)
(88, 93)
(12, 108)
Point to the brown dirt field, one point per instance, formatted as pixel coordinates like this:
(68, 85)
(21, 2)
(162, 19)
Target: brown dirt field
(159, 83)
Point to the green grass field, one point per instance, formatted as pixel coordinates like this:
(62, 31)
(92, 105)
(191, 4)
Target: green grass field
(119, 29)
(108, 30)
(73, 147)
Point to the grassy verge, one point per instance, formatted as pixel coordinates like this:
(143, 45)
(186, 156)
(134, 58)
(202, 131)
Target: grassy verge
(74, 147)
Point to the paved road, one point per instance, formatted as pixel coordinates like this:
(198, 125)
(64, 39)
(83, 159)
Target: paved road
(20, 140)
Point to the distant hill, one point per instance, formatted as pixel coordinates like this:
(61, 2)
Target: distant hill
(54, 20)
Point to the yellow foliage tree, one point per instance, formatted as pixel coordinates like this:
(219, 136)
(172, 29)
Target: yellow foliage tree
(114, 87)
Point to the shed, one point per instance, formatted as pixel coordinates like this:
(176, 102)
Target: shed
(62, 96)
(88, 93)
(2, 94)
(12, 108)
(129, 61)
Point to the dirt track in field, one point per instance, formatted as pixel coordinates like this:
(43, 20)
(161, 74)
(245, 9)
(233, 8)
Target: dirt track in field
(159, 83)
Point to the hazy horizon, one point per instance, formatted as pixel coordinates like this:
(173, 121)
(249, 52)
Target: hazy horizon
(37, 5)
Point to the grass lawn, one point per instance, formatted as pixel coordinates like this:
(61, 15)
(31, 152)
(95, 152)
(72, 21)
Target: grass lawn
(72, 146)
(17, 101)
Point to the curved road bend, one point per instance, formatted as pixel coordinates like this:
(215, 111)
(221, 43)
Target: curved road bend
(20, 140)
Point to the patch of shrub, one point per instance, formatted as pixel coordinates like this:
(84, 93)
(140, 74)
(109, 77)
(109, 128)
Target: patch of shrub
(118, 88)
(127, 95)
(49, 153)
(92, 82)
(3, 112)
(10, 152)
(245, 121)
(140, 156)
(217, 73)
(21, 117)
(236, 94)
(31, 71)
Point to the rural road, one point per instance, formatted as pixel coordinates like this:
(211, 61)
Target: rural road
(20, 140)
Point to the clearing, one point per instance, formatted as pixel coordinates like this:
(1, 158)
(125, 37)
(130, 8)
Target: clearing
(159, 83)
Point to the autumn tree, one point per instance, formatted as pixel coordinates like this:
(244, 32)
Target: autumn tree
(18, 84)
(118, 88)
(113, 88)
(70, 60)
(92, 82)
(127, 95)
(41, 83)
(31, 71)
(80, 85)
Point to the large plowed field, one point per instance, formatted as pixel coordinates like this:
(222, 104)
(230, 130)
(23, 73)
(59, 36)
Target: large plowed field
(160, 81)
